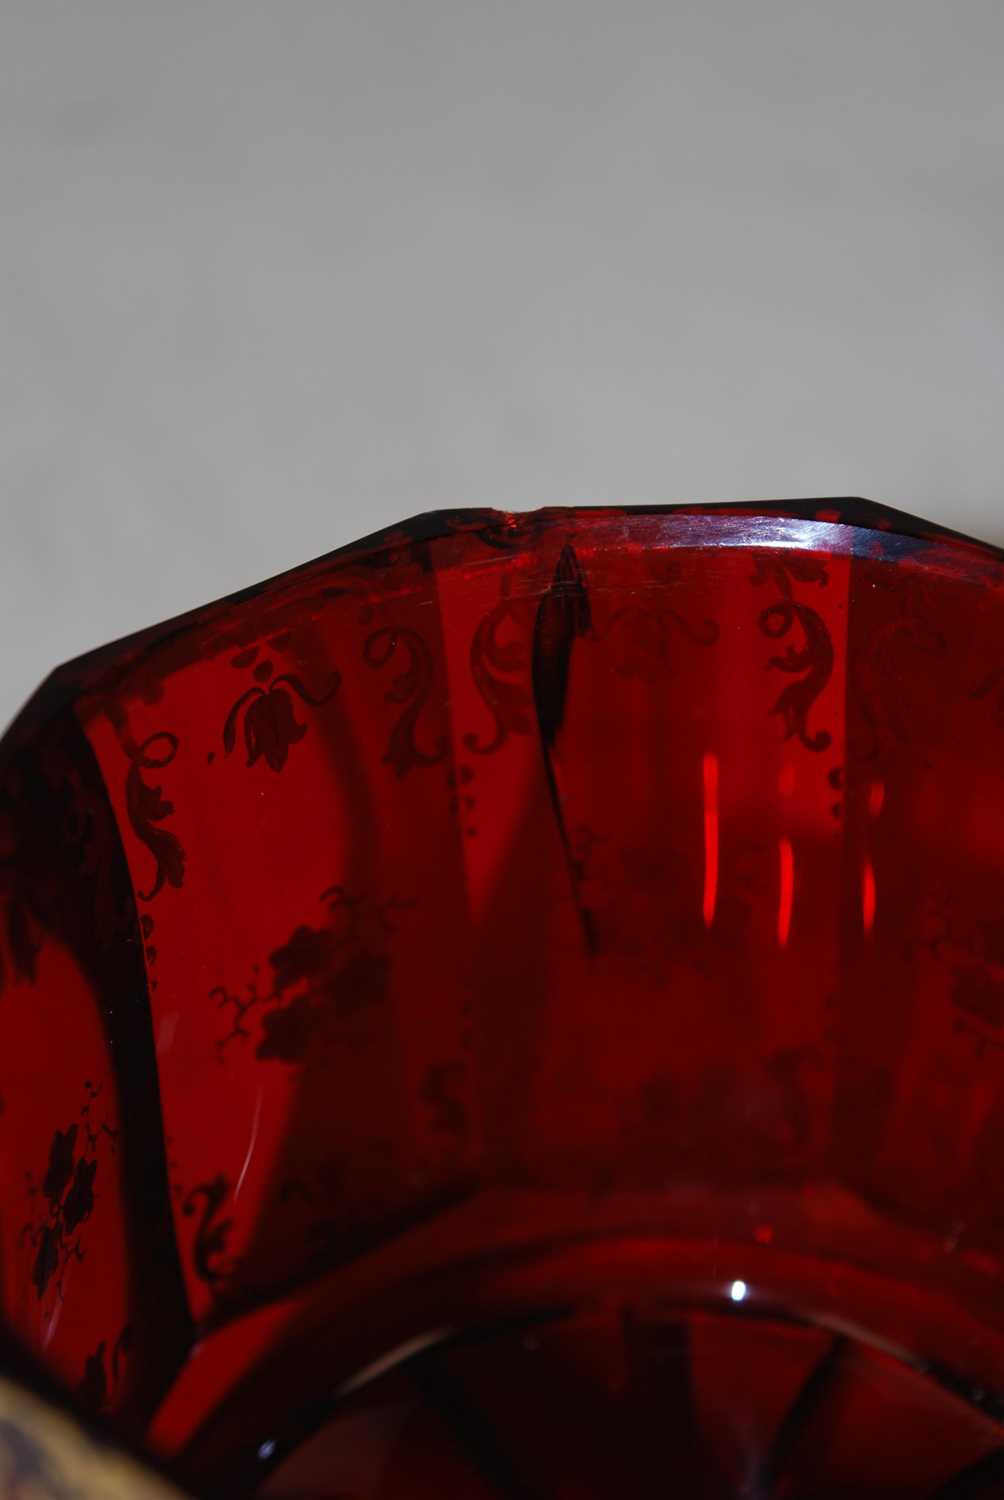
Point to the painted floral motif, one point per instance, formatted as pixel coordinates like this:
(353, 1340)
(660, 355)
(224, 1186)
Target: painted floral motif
(148, 809)
(883, 673)
(643, 636)
(500, 668)
(92, 1392)
(102, 1375)
(319, 980)
(502, 647)
(67, 1189)
(410, 688)
(270, 727)
(991, 688)
(811, 662)
(970, 953)
(205, 1203)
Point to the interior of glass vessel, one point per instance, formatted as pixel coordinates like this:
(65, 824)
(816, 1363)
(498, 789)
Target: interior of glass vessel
(499, 887)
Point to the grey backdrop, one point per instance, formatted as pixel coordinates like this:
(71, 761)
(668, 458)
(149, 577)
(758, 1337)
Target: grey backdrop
(275, 274)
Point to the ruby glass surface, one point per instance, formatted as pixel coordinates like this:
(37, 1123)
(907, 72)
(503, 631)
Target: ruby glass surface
(516, 1007)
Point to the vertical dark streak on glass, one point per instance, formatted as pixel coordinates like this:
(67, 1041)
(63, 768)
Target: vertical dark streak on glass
(563, 616)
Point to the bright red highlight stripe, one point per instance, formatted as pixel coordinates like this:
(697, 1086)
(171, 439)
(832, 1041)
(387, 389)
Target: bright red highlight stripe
(710, 765)
(868, 895)
(786, 892)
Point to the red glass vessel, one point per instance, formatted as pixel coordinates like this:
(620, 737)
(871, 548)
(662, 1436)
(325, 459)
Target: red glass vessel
(516, 1007)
